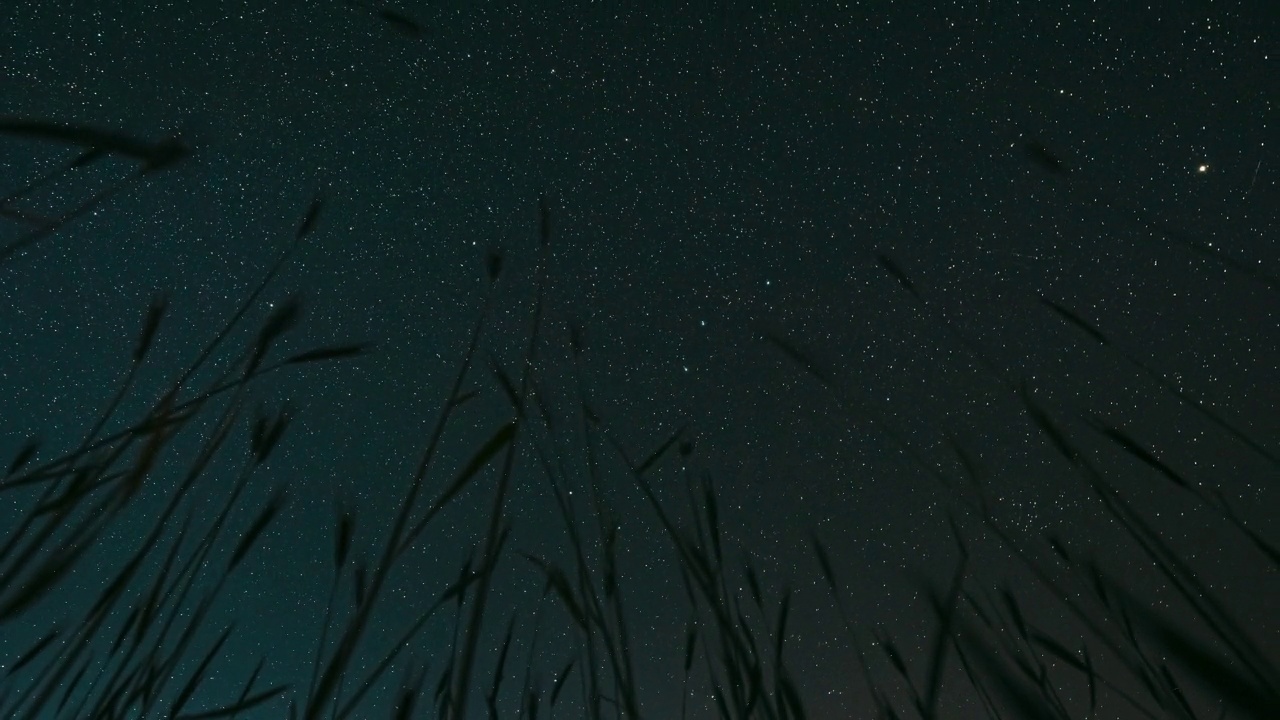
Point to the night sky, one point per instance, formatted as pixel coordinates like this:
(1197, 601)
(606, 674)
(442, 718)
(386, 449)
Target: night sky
(715, 175)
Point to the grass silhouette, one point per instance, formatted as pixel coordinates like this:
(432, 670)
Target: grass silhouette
(145, 647)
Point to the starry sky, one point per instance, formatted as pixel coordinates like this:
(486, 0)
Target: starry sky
(715, 174)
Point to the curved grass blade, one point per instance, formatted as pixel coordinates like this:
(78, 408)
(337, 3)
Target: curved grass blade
(259, 525)
(330, 352)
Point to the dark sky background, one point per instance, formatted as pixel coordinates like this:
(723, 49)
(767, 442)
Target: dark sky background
(715, 174)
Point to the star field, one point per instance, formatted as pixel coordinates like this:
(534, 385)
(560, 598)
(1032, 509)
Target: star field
(716, 175)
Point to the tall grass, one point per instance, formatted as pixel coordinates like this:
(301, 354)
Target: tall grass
(143, 646)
